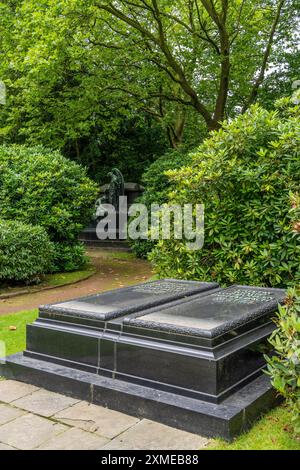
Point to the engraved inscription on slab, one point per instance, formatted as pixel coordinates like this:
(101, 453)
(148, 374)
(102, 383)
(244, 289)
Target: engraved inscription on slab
(111, 304)
(217, 311)
(162, 287)
(239, 295)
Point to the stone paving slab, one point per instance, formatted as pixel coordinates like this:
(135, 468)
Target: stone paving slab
(92, 418)
(29, 431)
(78, 425)
(75, 439)
(149, 435)
(44, 403)
(11, 390)
(8, 413)
(6, 447)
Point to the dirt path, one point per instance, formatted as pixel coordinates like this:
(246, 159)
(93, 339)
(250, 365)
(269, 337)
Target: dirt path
(113, 269)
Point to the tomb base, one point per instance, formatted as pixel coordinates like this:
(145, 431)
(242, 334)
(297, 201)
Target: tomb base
(226, 420)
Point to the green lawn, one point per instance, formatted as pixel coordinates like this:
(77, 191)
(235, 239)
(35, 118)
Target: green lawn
(14, 339)
(272, 432)
(52, 280)
(61, 279)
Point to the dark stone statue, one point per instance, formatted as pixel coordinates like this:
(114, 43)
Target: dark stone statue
(116, 187)
(111, 195)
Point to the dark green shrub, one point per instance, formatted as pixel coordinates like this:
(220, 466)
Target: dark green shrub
(157, 186)
(41, 187)
(243, 174)
(68, 257)
(25, 252)
(284, 367)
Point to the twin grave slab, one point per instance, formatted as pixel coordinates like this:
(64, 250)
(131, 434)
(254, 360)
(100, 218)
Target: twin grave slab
(188, 354)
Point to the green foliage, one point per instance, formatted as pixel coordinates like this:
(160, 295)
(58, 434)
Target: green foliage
(284, 367)
(52, 73)
(68, 257)
(244, 175)
(157, 186)
(25, 252)
(79, 60)
(131, 148)
(15, 340)
(41, 187)
(271, 432)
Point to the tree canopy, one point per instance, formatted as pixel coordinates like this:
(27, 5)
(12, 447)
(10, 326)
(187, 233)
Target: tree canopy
(79, 68)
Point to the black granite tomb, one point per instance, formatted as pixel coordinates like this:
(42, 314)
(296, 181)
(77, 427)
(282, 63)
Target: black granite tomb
(72, 331)
(115, 303)
(185, 353)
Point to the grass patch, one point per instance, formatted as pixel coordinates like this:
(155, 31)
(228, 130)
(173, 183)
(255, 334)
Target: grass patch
(110, 254)
(52, 280)
(61, 279)
(14, 339)
(121, 255)
(272, 432)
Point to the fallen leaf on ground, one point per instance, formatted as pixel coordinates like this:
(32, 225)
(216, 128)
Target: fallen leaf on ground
(272, 418)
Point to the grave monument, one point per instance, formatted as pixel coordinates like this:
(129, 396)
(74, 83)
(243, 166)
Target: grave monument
(188, 354)
(109, 194)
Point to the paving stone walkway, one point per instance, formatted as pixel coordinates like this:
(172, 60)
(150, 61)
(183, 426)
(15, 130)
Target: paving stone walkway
(34, 418)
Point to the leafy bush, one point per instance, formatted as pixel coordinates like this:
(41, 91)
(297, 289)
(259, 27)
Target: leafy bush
(41, 187)
(284, 367)
(68, 257)
(244, 174)
(157, 186)
(25, 252)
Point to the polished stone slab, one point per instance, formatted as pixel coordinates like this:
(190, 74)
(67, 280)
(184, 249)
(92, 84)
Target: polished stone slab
(60, 342)
(206, 345)
(111, 304)
(209, 373)
(214, 314)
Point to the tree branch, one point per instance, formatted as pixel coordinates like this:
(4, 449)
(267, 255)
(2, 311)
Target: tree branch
(161, 42)
(220, 21)
(261, 76)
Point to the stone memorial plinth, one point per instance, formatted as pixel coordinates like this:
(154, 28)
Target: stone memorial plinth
(89, 235)
(188, 354)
